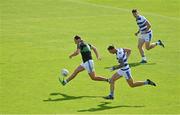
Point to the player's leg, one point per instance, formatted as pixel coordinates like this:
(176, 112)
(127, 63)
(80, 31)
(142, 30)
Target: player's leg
(133, 83)
(153, 45)
(73, 75)
(149, 45)
(89, 66)
(97, 78)
(141, 50)
(76, 71)
(115, 77)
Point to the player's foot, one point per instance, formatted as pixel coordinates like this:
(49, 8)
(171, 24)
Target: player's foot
(161, 43)
(110, 97)
(143, 61)
(151, 82)
(62, 81)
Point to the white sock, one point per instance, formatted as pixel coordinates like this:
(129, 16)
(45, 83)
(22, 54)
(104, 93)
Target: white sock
(65, 81)
(146, 83)
(144, 58)
(112, 93)
(157, 42)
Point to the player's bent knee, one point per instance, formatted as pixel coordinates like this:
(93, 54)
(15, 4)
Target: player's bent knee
(131, 85)
(113, 80)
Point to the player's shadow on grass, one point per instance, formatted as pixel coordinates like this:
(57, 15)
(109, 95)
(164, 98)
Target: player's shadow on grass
(67, 97)
(138, 64)
(104, 106)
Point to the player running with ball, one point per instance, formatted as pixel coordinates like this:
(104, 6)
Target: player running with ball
(122, 55)
(88, 64)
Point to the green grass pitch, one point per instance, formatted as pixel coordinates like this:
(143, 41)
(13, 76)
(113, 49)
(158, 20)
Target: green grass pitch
(37, 38)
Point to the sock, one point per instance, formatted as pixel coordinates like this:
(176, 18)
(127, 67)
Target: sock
(157, 43)
(112, 94)
(65, 81)
(144, 58)
(146, 83)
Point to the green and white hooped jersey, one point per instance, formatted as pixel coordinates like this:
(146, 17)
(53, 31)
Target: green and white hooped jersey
(85, 50)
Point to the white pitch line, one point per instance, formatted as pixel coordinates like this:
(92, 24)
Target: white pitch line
(88, 16)
(123, 9)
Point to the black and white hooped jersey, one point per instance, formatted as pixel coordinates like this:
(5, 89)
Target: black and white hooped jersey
(122, 58)
(141, 22)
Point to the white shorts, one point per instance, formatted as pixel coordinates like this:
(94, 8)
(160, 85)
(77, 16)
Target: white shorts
(125, 73)
(89, 66)
(146, 37)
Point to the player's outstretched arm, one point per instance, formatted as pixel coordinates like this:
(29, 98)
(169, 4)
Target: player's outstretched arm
(75, 53)
(116, 66)
(96, 52)
(128, 51)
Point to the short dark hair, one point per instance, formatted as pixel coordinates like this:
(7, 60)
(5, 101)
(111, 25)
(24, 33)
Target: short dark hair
(77, 37)
(134, 10)
(110, 47)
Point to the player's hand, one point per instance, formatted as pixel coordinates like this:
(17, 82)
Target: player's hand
(136, 33)
(110, 68)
